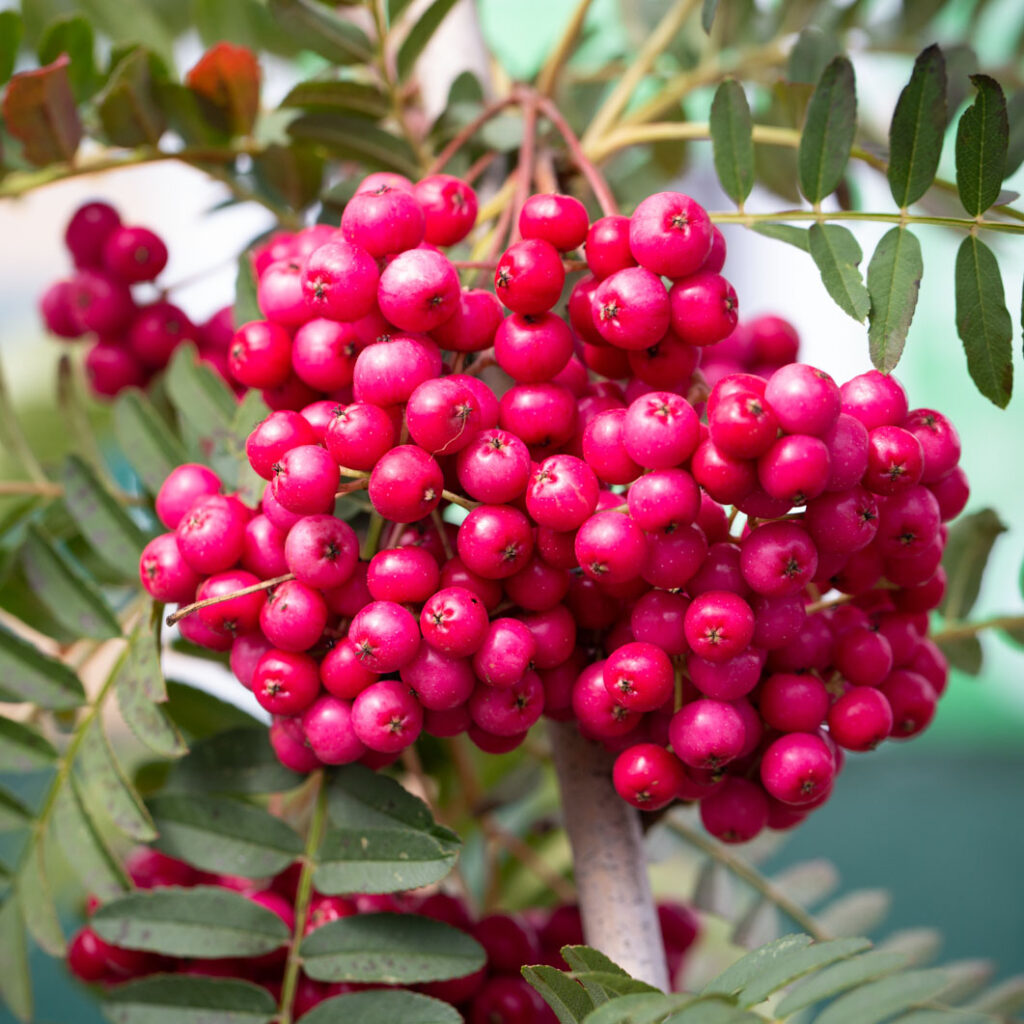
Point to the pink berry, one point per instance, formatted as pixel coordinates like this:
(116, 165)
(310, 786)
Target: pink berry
(495, 541)
(707, 733)
(719, 625)
(236, 615)
(630, 309)
(88, 230)
(454, 621)
(797, 768)
(533, 348)
(285, 682)
(647, 776)
(406, 484)
(449, 208)
(670, 234)
(184, 486)
(327, 723)
(339, 281)
(703, 308)
(607, 246)
(385, 636)
(211, 535)
(660, 430)
(383, 221)
(860, 719)
(505, 653)
(387, 717)
(804, 399)
(611, 548)
(529, 277)
(735, 811)
(360, 435)
(294, 616)
(559, 219)
(261, 354)
(639, 676)
(418, 290)
(306, 479)
(274, 437)
(134, 254)
(895, 460)
(321, 551)
(494, 467)
(165, 574)
(443, 416)
(562, 493)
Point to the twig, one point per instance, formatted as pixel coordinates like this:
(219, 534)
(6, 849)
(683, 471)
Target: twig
(522, 851)
(19, 487)
(255, 588)
(468, 131)
(357, 485)
(524, 172)
(547, 79)
(458, 499)
(960, 630)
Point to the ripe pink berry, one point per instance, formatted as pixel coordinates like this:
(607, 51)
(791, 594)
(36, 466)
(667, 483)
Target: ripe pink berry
(454, 621)
(343, 673)
(443, 416)
(471, 327)
(134, 254)
(508, 710)
(657, 618)
(58, 311)
(538, 586)
(793, 703)
(165, 574)
(529, 277)
(611, 548)
(184, 486)
(285, 682)
(707, 733)
(670, 234)
(630, 309)
(860, 719)
(100, 303)
(290, 745)
(804, 399)
(440, 682)
(668, 363)
(294, 616)
(385, 636)
(562, 492)
(647, 776)
(211, 535)
(449, 208)
(743, 425)
(778, 559)
(505, 653)
(387, 717)
(735, 811)
(607, 246)
(327, 724)
(875, 399)
(87, 232)
(406, 484)
(110, 368)
(274, 437)
(418, 290)
(494, 467)
(359, 435)
(543, 416)
(554, 636)
(156, 331)
(895, 460)
(703, 308)
(639, 676)
(383, 220)
(306, 479)
(940, 442)
(339, 281)
(913, 702)
(260, 355)
(797, 768)
(404, 575)
(280, 295)
(236, 615)
(533, 348)
(727, 680)
(661, 430)
(674, 554)
(795, 468)
(388, 372)
(719, 625)
(952, 493)
(321, 551)
(559, 219)
(495, 541)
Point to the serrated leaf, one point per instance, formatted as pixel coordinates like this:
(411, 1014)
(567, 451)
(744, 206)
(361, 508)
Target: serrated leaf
(26, 674)
(128, 106)
(808, 882)
(787, 233)
(1006, 998)
(39, 110)
(586, 958)
(140, 690)
(15, 982)
(86, 851)
(105, 524)
(74, 601)
(13, 813)
(638, 1009)
(983, 321)
(920, 945)
(36, 897)
(760, 924)
(837, 255)
(22, 749)
(569, 1001)
(223, 835)
(396, 949)
(146, 439)
(982, 138)
(237, 761)
(827, 137)
(964, 653)
(968, 549)
(1015, 144)
(713, 891)
(318, 28)
(708, 10)
(735, 977)
(73, 35)
(602, 978)
(205, 921)
(382, 1006)
(894, 279)
(811, 53)
(918, 128)
(198, 713)
(354, 139)
(882, 999)
(188, 999)
(203, 401)
(856, 913)
(363, 99)
(11, 30)
(228, 457)
(103, 778)
(712, 1010)
(420, 34)
(246, 307)
(838, 978)
(784, 972)
(732, 140)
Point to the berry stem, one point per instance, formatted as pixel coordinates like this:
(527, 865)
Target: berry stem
(462, 137)
(527, 156)
(357, 485)
(619, 915)
(317, 825)
(595, 179)
(442, 533)
(741, 869)
(196, 605)
(961, 630)
(547, 79)
(458, 499)
(43, 488)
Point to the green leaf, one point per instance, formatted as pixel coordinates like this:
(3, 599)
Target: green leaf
(222, 835)
(810, 55)
(85, 850)
(602, 978)
(712, 1010)
(205, 921)
(362, 99)
(982, 138)
(968, 549)
(22, 749)
(188, 999)
(894, 279)
(732, 140)
(964, 653)
(228, 457)
(294, 173)
(1006, 998)
(856, 912)
(807, 882)
(140, 690)
(204, 402)
(708, 10)
(983, 321)
(72, 35)
(828, 133)
(420, 34)
(198, 713)
(777, 166)
(383, 1006)
(918, 128)
(354, 139)
(146, 439)
(735, 977)
(381, 838)
(247, 307)
(36, 897)
(103, 778)
(13, 813)
(837, 255)
(785, 233)
(883, 999)
(839, 978)
(11, 30)
(318, 28)
(396, 949)
(238, 761)
(639, 1009)
(784, 972)
(26, 674)
(130, 23)
(395, 9)
(129, 107)
(15, 982)
(567, 998)
(586, 958)
(1015, 119)
(105, 524)
(39, 110)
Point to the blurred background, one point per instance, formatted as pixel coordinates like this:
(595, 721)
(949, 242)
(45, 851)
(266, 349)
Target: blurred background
(939, 823)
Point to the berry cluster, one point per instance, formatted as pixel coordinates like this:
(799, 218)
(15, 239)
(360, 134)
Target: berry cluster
(495, 994)
(130, 339)
(598, 576)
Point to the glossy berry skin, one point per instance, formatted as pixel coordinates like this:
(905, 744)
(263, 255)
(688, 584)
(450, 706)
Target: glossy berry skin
(274, 437)
(385, 636)
(495, 541)
(559, 220)
(532, 349)
(509, 710)
(111, 368)
(735, 811)
(607, 246)
(237, 615)
(795, 468)
(285, 682)
(165, 574)
(471, 327)
(439, 682)
(639, 676)
(212, 534)
(663, 498)
(339, 281)
(454, 621)
(778, 559)
(860, 719)
(406, 484)
(184, 486)
(529, 277)
(604, 451)
(494, 467)
(449, 208)
(719, 625)
(940, 443)
(443, 416)
(100, 302)
(793, 703)
(321, 551)
(562, 493)
(405, 575)
(294, 616)
(87, 232)
(743, 425)
(647, 776)
(505, 653)
(134, 254)
(727, 680)
(387, 717)
(156, 331)
(630, 309)
(360, 435)
(261, 354)
(611, 548)
(306, 479)
(797, 768)
(418, 290)
(876, 399)
(384, 220)
(342, 672)
(895, 460)
(388, 372)
(505, 1000)
(327, 724)
(660, 431)
(704, 308)
(707, 733)
(913, 701)
(805, 400)
(670, 234)
(291, 746)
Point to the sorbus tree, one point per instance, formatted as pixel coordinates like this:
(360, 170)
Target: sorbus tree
(483, 437)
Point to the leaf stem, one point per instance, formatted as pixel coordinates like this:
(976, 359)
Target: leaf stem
(255, 588)
(748, 219)
(960, 630)
(303, 897)
(527, 155)
(19, 487)
(749, 874)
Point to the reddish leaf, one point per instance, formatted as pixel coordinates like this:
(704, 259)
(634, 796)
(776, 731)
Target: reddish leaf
(227, 82)
(39, 110)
